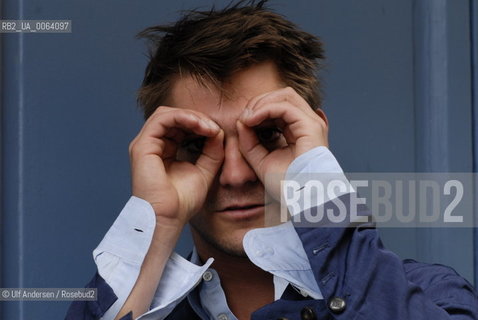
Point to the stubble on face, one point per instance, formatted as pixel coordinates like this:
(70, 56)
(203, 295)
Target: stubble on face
(222, 235)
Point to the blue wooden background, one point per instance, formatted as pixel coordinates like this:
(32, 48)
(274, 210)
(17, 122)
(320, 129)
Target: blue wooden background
(400, 93)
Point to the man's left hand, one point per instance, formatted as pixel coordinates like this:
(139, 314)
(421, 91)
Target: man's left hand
(302, 128)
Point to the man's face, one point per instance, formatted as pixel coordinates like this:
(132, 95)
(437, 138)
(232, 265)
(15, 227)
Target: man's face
(236, 201)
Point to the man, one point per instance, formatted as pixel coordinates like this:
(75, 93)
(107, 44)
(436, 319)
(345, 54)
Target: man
(231, 98)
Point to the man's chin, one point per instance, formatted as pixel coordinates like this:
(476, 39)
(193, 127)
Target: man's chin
(230, 249)
(230, 244)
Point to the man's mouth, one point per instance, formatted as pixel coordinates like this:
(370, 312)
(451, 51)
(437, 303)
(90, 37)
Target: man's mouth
(241, 207)
(243, 211)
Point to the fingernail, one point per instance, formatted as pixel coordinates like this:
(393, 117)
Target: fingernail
(212, 125)
(205, 123)
(245, 114)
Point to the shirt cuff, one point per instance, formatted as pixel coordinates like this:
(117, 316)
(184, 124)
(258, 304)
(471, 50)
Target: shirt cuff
(313, 179)
(120, 254)
(130, 235)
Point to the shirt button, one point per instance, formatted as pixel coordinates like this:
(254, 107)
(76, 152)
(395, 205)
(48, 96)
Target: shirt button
(337, 305)
(222, 316)
(207, 276)
(308, 314)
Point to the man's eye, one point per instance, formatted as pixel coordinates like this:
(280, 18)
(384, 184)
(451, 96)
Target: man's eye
(193, 146)
(268, 135)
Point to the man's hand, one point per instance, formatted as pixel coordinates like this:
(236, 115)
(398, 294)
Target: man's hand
(175, 189)
(303, 129)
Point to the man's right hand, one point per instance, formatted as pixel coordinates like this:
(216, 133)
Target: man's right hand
(175, 189)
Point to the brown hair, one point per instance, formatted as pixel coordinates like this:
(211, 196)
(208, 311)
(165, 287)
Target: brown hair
(212, 45)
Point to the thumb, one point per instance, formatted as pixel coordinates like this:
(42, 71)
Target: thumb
(211, 157)
(251, 148)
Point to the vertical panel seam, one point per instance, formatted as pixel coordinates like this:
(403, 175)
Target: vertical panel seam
(474, 88)
(21, 148)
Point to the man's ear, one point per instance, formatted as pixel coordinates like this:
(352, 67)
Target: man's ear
(321, 114)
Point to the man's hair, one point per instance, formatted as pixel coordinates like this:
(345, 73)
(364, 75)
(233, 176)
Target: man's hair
(212, 45)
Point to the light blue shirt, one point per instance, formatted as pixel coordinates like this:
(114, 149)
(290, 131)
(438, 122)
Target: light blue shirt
(277, 250)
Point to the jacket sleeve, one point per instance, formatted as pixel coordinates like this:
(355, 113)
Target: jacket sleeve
(351, 264)
(90, 310)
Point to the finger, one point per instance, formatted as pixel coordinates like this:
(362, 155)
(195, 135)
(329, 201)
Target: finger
(297, 124)
(284, 94)
(212, 156)
(252, 102)
(171, 124)
(154, 117)
(278, 110)
(165, 109)
(251, 148)
(181, 119)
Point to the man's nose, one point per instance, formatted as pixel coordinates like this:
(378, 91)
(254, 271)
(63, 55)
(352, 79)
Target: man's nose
(236, 171)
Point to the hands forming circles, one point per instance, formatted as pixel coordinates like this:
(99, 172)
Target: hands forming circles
(178, 152)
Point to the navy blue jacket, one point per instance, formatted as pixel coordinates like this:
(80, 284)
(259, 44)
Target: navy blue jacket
(358, 277)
